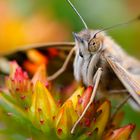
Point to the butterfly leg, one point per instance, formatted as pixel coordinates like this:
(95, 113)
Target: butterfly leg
(120, 105)
(64, 66)
(118, 91)
(96, 80)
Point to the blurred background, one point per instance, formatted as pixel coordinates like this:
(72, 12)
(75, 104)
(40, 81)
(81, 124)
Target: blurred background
(33, 21)
(25, 22)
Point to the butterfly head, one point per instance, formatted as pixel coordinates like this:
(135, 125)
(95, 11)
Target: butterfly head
(88, 42)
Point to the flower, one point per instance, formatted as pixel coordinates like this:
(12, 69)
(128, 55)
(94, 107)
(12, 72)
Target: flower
(48, 120)
(19, 85)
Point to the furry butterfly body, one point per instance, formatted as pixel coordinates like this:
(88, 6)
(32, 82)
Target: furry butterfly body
(100, 51)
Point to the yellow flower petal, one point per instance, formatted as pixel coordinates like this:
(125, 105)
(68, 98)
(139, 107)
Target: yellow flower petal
(65, 119)
(74, 98)
(43, 108)
(123, 133)
(102, 119)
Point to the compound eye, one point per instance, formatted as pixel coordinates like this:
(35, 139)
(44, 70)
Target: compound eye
(94, 46)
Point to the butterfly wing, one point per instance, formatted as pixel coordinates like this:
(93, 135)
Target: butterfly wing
(41, 46)
(127, 79)
(25, 55)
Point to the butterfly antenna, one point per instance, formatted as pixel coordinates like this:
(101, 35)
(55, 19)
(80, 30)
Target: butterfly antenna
(78, 14)
(118, 25)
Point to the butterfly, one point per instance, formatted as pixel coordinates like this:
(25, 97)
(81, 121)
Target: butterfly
(99, 61)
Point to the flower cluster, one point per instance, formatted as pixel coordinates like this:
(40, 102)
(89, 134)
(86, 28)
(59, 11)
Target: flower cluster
(30, 102)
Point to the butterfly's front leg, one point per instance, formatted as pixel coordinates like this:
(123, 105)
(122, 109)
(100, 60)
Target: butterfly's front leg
(96, 81)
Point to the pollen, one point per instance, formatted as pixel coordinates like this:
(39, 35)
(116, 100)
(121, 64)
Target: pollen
(59, 131)
(41, 122)
(23, 97)
(39, 109)
(87, 122)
